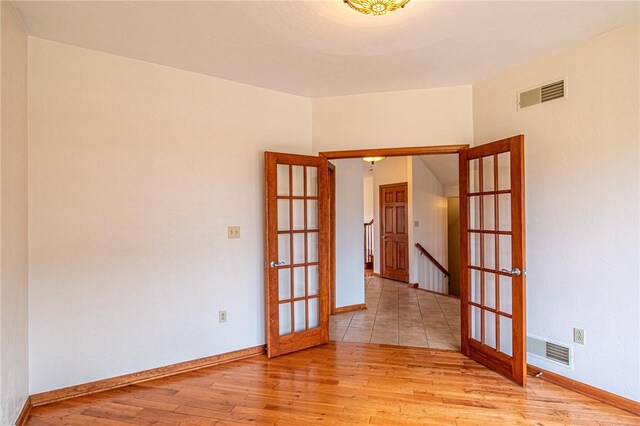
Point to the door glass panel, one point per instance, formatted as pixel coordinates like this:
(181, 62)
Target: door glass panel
(314, 313)
(312, 181)
(312, 242)
(475, 323)
(504, 212)
(506, 334)
(285, 318)
(299, 315)
(474, 175)
(505, 252)
(490, 329)
(298, 180)
(284, 247)
(298, 215)
(504, 171)
(313, 280)
(474, 212)
(312, 214)
(505, 294)
(475, 285)
(282, 179)
(283, 215)
(298, 248)
(489, 290)
(284, 283)
(489, 251)
(474, 248)
(298, 282)
(487, 173)
(488, 209)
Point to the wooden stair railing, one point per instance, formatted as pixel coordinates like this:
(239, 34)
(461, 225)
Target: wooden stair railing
(433, 260)
(368, 245)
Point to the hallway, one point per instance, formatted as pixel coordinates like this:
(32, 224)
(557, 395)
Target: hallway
(399, 315)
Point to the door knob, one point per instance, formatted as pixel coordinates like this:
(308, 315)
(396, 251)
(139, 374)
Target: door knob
(515, 272)
(275, 263)
(383, 237)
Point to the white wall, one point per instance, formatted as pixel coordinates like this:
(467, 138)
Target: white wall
(390, 170)
(582, 202)
(367, 184)
(135, 172)
(429, 206)
(349, 234)
(14, 385)
(440, 116)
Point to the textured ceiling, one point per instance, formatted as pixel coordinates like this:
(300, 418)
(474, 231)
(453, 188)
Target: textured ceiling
(323, 48)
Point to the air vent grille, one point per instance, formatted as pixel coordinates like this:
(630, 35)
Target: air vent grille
(550, 351)
(544, 93)
(552, 91)
(557, 353)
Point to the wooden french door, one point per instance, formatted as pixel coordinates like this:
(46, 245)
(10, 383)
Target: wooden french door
(493, 266)
(394, 233)
(296, 252)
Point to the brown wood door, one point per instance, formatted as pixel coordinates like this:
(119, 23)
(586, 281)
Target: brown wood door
(493, 269)
(296, 252)
(394, 233)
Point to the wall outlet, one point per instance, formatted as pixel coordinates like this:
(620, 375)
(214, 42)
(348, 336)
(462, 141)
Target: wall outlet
(416, 223)
(233, 232)
(578, 336)
(222, 316)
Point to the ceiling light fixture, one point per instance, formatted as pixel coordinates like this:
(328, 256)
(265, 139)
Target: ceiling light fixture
(376, 7)
(372, 160)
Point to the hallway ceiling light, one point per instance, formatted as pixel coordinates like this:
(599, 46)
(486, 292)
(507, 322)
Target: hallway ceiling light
(376, 7)
(372, 160)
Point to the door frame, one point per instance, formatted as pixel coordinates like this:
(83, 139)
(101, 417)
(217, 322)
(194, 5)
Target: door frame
(370, 152)
(381, 226)
(360, 153)
(332, 238)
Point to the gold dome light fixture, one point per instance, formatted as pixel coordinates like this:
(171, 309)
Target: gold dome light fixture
(376, 7)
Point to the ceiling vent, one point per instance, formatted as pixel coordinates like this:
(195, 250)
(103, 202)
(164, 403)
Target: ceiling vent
(550, 351)
(545, 93)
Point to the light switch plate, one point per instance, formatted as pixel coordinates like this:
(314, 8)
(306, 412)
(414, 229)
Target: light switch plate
(233, 232)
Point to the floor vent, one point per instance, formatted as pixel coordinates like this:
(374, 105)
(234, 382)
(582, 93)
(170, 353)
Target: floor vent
(544, 93)
(550, 351)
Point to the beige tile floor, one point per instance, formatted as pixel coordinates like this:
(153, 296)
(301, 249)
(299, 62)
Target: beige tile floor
(399, 315)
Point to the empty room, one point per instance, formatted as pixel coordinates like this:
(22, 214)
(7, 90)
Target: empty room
(319, 212)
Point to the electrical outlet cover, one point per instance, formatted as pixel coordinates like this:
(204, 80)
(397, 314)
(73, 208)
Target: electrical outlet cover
(578, 336)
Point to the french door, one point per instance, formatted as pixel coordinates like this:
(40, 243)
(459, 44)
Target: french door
(493, 256)
(296, 252)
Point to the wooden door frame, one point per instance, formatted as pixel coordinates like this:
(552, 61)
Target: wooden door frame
(369, 152)
(380, 226)
(332, 238)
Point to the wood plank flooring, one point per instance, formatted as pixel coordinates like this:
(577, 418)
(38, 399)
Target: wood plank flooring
(337, 384)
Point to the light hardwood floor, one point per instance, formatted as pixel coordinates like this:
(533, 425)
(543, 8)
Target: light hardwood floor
(399, 315)
(337, 384)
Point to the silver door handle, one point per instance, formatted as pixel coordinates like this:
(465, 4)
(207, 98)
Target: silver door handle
(383, 237)
(275, 263)
(515, 272)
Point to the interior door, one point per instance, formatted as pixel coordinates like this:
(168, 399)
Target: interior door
(492, 290)
(394, 233)
(296, 252)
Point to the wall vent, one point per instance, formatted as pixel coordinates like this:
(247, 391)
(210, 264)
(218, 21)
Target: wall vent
(550, 351)
(545, 93)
